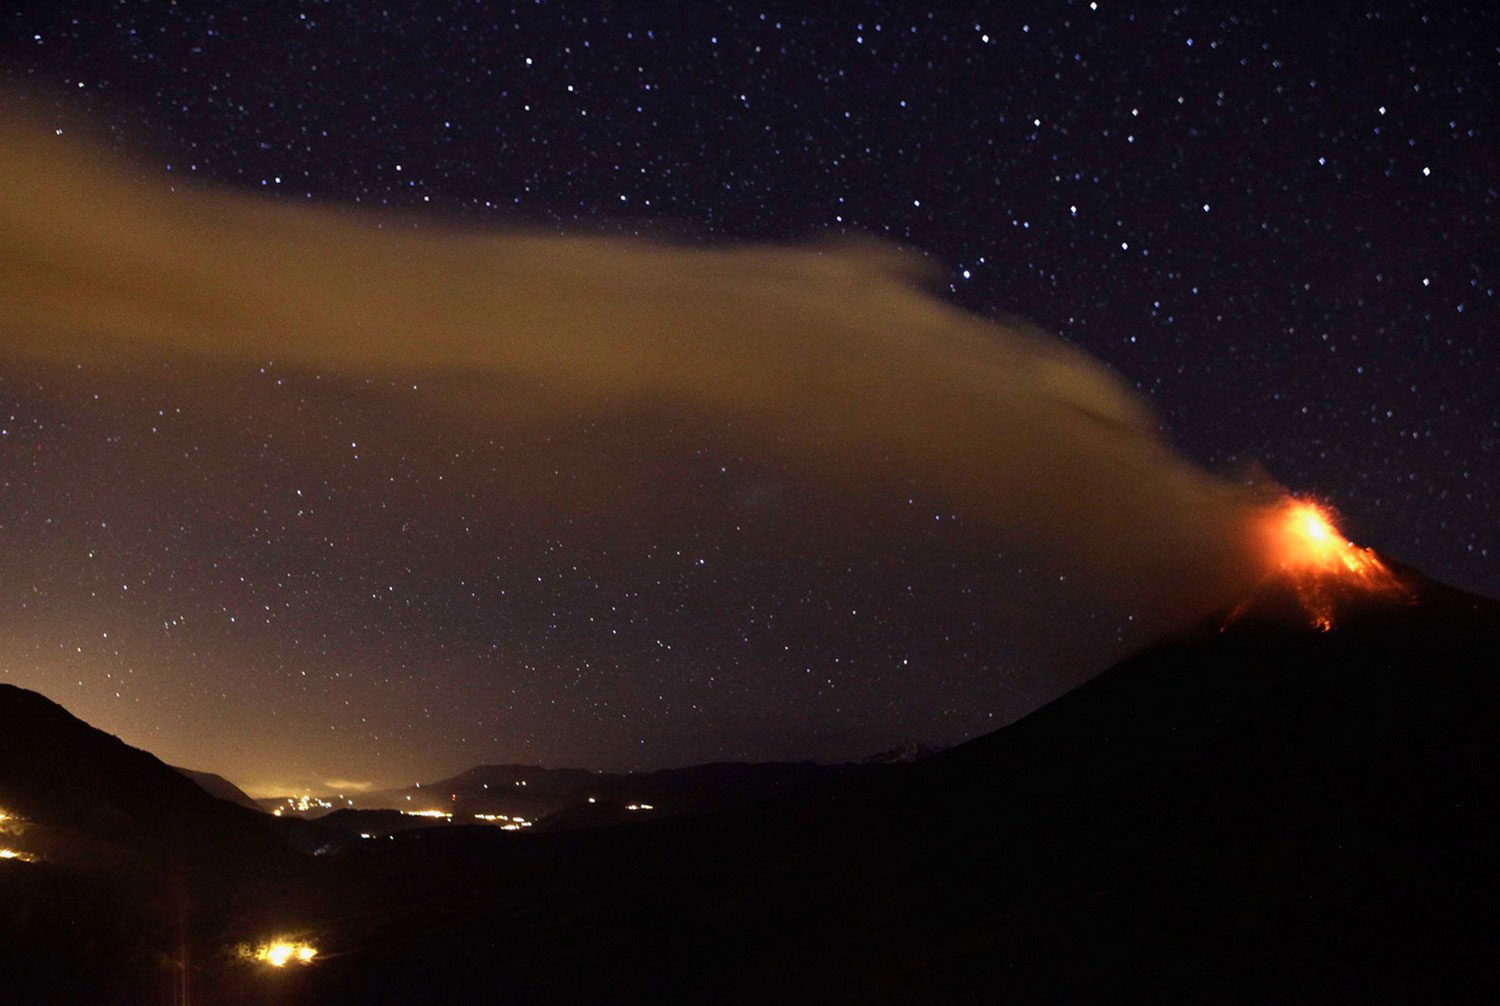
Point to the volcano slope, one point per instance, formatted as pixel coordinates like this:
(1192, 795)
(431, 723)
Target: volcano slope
(1253, 809)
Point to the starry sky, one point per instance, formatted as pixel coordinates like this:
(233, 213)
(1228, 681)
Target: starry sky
(1276, 225)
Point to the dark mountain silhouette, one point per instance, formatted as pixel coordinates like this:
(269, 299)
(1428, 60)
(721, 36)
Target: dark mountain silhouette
(217, 785)
(589, 814)
(528, 791)
(722, 785)
(75, 781)
(132, 858)
(1251, 810)
(902, 754)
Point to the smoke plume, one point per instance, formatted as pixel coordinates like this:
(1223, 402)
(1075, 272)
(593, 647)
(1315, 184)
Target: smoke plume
(831, 358)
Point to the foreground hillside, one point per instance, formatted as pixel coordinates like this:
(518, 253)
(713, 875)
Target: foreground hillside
(119, 859)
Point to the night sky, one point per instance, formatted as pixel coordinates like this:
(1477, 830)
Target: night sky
(1278, 225)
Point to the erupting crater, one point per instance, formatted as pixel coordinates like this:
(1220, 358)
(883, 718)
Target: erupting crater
(1305, 552)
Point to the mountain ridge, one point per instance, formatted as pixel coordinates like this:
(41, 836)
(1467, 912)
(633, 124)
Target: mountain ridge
(1249, 809)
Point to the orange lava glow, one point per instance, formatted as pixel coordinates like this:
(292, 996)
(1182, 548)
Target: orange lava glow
(1321, 564)
(1310, 543)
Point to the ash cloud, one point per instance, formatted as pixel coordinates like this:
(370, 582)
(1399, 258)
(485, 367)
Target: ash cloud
(832, 359)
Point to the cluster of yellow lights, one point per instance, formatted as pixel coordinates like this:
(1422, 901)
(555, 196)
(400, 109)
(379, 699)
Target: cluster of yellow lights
(639, 806)
(282, 953)
(307, 802)
(16, 854)
(427, 813)
(505, 823)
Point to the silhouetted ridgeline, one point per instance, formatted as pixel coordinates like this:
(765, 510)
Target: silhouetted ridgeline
(1251, 810)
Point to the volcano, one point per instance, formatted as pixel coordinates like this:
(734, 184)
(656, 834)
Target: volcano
(1257, 808)
(1313, 571)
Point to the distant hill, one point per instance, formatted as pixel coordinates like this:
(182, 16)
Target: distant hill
(535, 793)
(217, 785)
(528, 791)
(902, 754)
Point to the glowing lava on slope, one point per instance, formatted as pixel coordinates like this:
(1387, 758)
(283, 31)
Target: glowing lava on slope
(1306, 551)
